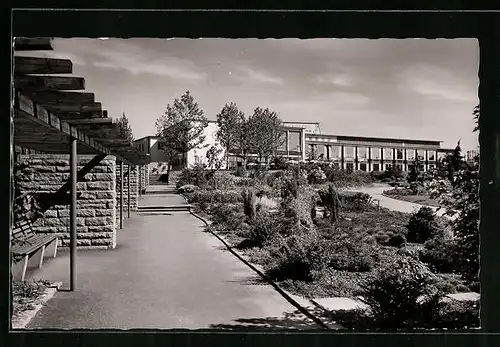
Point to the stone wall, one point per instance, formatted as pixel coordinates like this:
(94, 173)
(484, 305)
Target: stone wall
(134, 189)
(96, 197)
(142, 178)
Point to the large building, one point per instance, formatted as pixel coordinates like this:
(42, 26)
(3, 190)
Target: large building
(304, 141)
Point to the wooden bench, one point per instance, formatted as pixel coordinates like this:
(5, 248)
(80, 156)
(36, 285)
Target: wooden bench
(28, 247)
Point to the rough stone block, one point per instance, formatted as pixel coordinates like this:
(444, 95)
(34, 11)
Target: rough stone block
(85, 212)
(50, 214)
(101, 229)
(102, 177)
(100, 185)
(104, 195)
(97, 221)
(103, 212)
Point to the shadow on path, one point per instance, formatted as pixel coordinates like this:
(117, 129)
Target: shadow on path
(288, 321)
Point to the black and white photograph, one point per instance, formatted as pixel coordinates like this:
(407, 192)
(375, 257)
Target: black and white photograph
(245, 184)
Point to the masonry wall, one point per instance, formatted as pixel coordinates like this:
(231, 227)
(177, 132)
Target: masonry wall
(143, 175)
(96, 197)
(134, 189)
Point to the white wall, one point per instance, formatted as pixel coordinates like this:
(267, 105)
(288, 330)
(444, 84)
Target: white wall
(201, 151)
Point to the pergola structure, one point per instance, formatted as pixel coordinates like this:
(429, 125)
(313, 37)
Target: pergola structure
(51, 115)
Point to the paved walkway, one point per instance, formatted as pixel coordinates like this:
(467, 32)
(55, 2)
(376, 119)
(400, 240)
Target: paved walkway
(376, 191)
(165, 273)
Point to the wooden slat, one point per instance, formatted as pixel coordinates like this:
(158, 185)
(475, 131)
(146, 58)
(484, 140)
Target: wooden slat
(75, 115)
(36, 65)
(33, 44)
(73, 108)
(81, 122)
(58, 97)
(49, 83)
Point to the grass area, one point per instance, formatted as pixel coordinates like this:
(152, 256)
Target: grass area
(26, 295)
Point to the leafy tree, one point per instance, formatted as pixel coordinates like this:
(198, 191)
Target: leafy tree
(229, 121)
(265, 133)
(476, 113)
(125, 129)
(213, 157)
(181, 128)
(459, 195)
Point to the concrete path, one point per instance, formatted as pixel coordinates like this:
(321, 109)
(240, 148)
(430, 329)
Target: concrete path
(165, 273)
(376, 191)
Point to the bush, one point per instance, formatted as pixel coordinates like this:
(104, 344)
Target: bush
(227, 216)
(440, 254)
(298, 257)
(356, 201)
(263, 228)
(456, 314)
(316, 176)
(249, 202)
(197, 176)
(346, 253)
(396, 241)
(400, 293)
(422, 225)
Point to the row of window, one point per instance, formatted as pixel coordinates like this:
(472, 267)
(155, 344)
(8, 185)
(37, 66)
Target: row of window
(317, 151)
(378, 166)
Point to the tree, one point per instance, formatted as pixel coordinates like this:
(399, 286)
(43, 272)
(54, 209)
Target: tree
(229, 121)
(242, 144)
(476, 113)
(125, 129)
(266, 133)
(459, 195)
(181, 128)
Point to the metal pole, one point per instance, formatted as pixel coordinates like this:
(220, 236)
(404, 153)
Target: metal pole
(72, 214)
(128, 189)
(121, 194)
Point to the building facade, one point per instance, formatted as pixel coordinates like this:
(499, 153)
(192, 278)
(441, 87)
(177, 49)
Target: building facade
(304, 141)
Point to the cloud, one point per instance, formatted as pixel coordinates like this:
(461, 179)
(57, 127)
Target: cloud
(258, 76)
(122, 55)
(342, 80)
(436, 83)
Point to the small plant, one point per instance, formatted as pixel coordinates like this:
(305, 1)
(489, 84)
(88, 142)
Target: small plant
(396, 241)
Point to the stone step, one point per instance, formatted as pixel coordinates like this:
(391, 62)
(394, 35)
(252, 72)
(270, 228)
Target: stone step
(163, 208)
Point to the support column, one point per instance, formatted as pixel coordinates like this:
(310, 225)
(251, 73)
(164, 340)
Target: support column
(287, 143)
(128, 189)
(121, 194)
(369, 165)
(72, 214)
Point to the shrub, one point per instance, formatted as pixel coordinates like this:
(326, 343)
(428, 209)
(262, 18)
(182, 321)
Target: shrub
(298, 257)
(262, 229)
(440, 254)
(227, 216)
(344, 253)
(422, 225)
(456, 314)
(198, 176)
(396, 241)
(400, 293)
(316, 176)
(356, 201)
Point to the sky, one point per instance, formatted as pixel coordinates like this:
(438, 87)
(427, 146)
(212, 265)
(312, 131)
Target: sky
(411, 88)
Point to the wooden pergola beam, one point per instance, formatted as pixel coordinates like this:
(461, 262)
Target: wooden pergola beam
(33, 44)
(36, 65)
(49, 83)
(61, 97)
(73, 107)
(79, 123)
(67, 116)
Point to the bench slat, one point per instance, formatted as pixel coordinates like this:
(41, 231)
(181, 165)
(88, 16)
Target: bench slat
(32, 244)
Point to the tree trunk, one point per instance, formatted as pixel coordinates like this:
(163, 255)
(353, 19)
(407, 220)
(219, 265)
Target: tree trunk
(169, 167)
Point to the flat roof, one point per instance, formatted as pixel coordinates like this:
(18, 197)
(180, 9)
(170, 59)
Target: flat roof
(380, 139)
